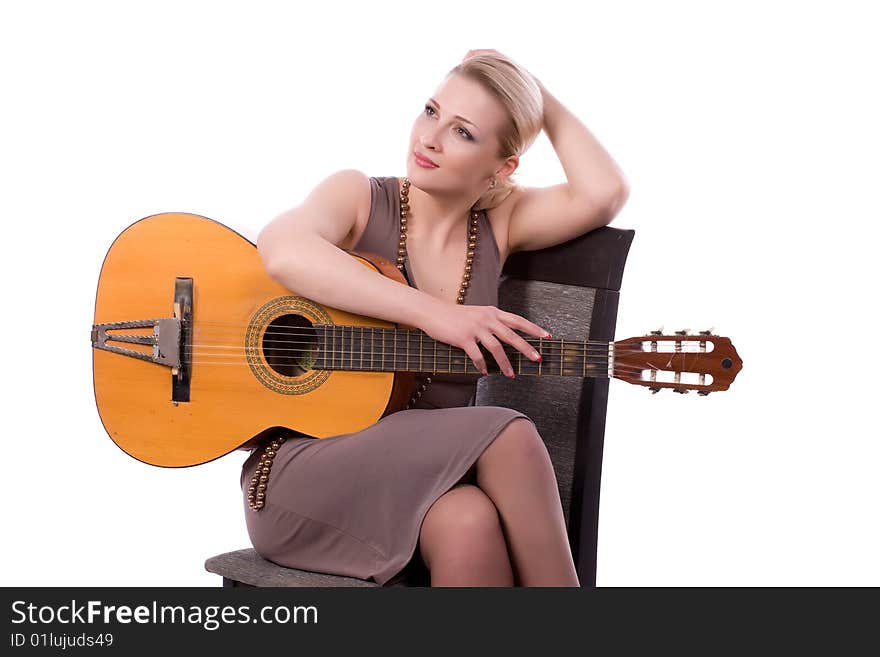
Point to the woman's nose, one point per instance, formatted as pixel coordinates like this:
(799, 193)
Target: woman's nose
(430, 138)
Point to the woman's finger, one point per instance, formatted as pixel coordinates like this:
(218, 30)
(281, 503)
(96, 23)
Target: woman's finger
(520, 322)
(497, 349)
(517, 341)
(476, 356)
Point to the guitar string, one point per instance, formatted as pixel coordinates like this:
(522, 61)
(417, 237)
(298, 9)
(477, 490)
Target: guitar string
(598, 344)
(358, 354)
(512, 353)
(576, 349)
(568, 349)
(390, 346)
(546, 369)
(204, 322)
(552, 360)
(445, 352)
(547, 372)
(342, 356)
(575, 346)
(350, 333)
(415, 367)
(399, 333)
(414, 332)
(403, 366)
(401, 363)
(396, 338)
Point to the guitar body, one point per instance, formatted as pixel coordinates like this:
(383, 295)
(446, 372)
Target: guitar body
(237, 390)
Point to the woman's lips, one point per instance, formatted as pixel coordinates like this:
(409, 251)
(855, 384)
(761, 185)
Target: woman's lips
(424, 162)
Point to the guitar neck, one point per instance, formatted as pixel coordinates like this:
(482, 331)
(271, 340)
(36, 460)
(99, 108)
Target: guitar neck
(366, 348)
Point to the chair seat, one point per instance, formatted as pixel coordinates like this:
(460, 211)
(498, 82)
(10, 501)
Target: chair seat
(246, 567)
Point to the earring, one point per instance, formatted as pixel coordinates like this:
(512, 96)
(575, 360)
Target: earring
(492, 186)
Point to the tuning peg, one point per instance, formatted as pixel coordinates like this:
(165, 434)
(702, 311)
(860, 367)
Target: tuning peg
(682, 332)
(659, 331)
(683, 391)
(654, 390)
(703, 392)
(708, 331)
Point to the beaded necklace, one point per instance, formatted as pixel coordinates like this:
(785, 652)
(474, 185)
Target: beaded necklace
(401, 258)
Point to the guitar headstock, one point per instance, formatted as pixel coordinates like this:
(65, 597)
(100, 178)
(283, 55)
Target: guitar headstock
(683, 362)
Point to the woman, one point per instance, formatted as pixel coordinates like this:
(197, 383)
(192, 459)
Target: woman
(467, 492)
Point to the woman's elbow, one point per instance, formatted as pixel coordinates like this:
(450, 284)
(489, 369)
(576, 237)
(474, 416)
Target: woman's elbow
(267, 254)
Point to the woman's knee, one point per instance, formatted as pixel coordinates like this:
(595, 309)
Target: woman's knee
(463, 521)
(520, 440)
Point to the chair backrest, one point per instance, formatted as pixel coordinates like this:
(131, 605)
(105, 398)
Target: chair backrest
(572, 290)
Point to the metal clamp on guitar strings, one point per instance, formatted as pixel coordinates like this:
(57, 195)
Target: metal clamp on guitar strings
(171, 339)
(165, 339)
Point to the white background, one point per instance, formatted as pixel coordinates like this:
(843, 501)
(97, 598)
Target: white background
(748, 133)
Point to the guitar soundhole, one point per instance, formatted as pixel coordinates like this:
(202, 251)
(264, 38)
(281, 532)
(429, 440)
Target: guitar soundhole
(290, 345)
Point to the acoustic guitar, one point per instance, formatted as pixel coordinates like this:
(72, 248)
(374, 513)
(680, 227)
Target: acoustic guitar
(195, 349)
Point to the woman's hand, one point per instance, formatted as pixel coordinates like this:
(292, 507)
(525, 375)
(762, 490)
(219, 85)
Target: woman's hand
(464, 326)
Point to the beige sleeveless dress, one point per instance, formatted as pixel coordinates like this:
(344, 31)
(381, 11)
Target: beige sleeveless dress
(353, 504)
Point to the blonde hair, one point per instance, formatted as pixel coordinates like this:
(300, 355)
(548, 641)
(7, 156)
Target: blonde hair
(521, 98)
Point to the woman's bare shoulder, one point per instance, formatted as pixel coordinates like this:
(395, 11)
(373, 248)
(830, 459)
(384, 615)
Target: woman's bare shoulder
(363, 186)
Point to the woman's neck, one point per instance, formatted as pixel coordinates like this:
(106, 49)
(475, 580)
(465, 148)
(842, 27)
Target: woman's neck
(437, 220)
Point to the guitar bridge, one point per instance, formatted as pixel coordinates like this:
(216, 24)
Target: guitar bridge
(171, 339)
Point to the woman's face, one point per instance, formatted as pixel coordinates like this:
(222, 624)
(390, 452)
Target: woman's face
(465, 149)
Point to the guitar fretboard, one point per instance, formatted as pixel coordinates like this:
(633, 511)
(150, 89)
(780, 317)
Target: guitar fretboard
(366, 348)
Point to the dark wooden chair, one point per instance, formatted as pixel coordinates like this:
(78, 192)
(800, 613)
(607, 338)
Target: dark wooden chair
(572, 290)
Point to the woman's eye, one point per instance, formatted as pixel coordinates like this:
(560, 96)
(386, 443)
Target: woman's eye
(463, 132)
